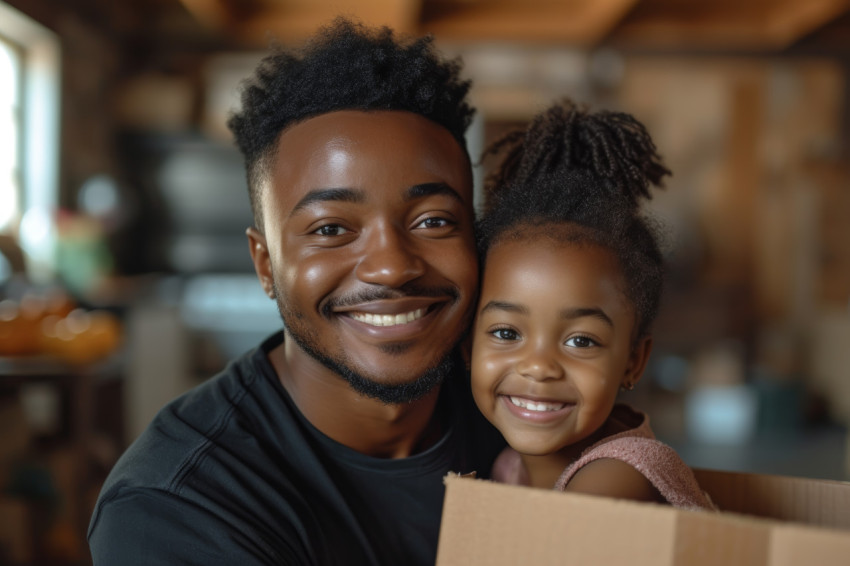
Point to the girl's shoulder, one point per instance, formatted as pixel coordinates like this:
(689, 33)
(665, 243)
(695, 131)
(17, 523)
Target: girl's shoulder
(611, 477)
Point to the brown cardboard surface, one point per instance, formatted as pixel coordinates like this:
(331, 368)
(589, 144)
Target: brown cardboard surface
(779, 497)
(697, 536)
(494, 524)
(483, 520)
(801, 545)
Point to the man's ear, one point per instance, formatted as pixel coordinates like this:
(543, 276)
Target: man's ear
(260, 256)
(637, 362)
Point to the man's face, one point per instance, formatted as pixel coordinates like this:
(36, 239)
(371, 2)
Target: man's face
(369, 249)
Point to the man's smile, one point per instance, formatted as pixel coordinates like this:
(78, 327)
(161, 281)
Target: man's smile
(393, 319)
(390, 311)
(387, 319)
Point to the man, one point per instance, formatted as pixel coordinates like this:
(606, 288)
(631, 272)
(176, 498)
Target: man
(328, 444)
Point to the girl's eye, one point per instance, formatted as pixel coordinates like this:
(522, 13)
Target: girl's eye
(581, 342)
(505, 334)
(331, 230)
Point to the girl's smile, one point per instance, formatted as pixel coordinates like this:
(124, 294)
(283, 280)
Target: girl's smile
(536, 411)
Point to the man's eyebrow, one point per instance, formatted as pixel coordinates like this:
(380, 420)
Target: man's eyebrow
(325, 195)
(428, 189)
(582, 312)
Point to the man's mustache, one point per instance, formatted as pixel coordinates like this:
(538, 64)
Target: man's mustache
(386, 293)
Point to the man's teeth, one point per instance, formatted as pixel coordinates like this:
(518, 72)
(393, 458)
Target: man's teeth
(388, 319)
(533, 406)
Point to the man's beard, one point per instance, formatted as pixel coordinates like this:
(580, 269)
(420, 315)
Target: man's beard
(388, 393)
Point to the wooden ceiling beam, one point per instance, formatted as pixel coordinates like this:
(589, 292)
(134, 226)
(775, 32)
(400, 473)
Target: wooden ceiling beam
(212, 14)
(793, 20)
(576, 22)
(292, 22)
(770, 25)
(763, 25)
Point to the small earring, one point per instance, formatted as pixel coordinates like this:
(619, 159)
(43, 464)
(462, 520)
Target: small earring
(628, 386)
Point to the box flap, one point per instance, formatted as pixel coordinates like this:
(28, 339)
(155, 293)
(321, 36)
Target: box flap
(816, 502)
(795, 545)
(715, 538)
(486, 523)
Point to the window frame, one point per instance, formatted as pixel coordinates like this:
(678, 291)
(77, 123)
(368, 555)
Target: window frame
(39, 137)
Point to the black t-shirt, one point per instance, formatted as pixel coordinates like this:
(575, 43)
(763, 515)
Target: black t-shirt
(232, 473)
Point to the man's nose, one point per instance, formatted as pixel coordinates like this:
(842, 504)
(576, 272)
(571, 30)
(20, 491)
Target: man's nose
(389, 258)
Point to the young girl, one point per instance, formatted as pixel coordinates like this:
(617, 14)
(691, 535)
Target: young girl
(571, 283)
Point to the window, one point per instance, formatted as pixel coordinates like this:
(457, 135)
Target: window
(10, 190)
(29, 137)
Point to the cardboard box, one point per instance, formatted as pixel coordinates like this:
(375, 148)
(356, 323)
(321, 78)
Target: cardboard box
(766, 520)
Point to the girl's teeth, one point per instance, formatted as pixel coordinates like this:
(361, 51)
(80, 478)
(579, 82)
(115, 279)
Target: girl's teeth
(388, 319)
(534, 406)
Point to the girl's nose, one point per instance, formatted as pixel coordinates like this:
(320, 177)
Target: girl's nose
(540, 365)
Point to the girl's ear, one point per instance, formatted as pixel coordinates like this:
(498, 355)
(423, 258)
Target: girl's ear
(260, 256)
(637, 362)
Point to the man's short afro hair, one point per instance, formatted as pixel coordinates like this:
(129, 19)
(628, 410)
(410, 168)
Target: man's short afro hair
(347, 67)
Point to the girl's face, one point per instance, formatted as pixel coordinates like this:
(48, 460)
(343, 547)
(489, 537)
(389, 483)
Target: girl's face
(552, 342)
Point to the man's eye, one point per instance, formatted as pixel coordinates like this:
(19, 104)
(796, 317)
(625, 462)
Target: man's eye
(581, 342)
(434, 222)
(331, 230)
(505, 334)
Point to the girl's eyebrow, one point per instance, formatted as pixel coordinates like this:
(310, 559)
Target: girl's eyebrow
(582, 312)
(503, 306)
(566, 314)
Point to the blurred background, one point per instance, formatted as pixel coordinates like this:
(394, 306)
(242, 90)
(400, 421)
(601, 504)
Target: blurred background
(125, 277)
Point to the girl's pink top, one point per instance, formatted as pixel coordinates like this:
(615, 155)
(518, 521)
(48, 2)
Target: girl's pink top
(636, 445)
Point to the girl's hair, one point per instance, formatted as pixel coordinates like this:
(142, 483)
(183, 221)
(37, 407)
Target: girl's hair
(345, 66)
(589, 171)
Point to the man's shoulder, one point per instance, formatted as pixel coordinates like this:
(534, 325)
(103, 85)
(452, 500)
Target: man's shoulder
(168, 460)
(182, 430)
